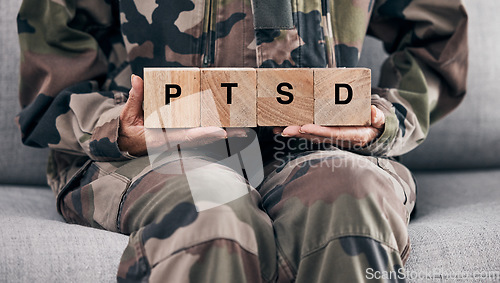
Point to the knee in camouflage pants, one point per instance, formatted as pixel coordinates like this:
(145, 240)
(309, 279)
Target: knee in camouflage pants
(324, 216)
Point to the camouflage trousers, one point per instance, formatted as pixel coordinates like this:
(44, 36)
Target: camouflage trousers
(321, 216)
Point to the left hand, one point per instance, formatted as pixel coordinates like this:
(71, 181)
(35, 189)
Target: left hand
(136, 139)
(343, 136)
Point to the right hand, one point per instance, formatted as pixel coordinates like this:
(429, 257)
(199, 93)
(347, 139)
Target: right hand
(132, 134)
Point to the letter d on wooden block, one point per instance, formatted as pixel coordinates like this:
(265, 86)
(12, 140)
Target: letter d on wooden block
(342, 97)
(172, 97)
(228, 97)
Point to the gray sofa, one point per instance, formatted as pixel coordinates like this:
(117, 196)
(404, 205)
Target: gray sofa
(455, 233)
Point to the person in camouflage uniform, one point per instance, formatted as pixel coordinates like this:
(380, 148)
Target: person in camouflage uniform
(328, 211)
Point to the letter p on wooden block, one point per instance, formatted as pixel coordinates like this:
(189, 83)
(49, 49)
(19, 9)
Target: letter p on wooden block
(172, 97)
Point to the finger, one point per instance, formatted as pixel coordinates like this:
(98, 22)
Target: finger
(315, 139)
(291, 131)
(378, 117)
(202, 135)
(155, 138)
(359, 135)
(336, 142)
(133, 107)
(325, 140)
(317, 130)
(278, 130)
(184, 137)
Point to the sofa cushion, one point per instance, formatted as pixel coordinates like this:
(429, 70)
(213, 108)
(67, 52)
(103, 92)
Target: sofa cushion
(36, 245)
(455, 233)
(18, 164)
(470, 136)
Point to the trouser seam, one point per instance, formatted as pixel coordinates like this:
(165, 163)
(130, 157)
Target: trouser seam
(396, 178)
(406, 251)
(347, 235)
(120, 207)
(141, 254)
(286, 266)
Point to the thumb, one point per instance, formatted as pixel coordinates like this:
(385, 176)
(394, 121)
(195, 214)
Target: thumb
(378, 117)
(133, 106)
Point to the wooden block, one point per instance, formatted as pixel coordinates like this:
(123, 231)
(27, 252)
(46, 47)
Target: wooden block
(228, 97)
(285, 97)
(351, 107)
(267, 97)
(172, 97)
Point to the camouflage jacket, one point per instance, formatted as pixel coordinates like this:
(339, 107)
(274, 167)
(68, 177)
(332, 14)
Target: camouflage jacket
(77, 57)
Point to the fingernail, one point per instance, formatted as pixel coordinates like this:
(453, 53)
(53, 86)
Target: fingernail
(285, 135)
(301, 131)
(134, 77)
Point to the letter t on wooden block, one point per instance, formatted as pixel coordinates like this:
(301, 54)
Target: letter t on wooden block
(285, 97)
(342, 96)
(171, 97)
(228, 97)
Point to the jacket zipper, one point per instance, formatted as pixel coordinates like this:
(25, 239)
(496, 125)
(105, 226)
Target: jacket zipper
(207, 52)
(328, 33)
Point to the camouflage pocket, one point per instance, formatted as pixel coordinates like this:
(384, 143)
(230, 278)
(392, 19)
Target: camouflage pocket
(403, 177)
(94, 197)
(107, 191)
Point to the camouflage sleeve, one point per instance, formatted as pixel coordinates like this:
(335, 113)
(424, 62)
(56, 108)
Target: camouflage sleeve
(73, 76)
(424, 77)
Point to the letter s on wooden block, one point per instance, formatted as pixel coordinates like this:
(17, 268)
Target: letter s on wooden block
(228, 97)
(285, 97)
(172, 97)
(342, 96)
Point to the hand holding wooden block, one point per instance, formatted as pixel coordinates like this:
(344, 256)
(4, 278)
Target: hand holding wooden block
(244, 97)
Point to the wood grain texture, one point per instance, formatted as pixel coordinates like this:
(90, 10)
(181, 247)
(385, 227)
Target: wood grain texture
(355, 113)
(255, 97)
(215, 107)
(270, 112)
(182, 111)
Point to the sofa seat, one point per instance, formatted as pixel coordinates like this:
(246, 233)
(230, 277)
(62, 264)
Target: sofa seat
(454, 234)
(38, 246)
